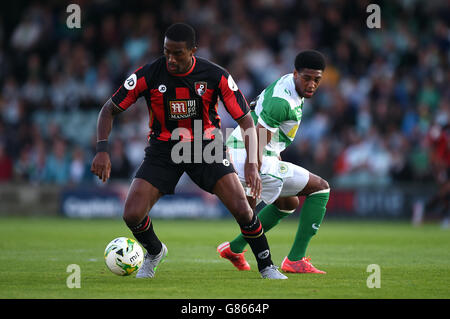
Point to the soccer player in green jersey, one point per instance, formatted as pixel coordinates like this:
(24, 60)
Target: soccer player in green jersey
(277, 115)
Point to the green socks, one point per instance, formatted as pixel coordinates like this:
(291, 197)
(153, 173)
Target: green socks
(311, 216)
(269, 216)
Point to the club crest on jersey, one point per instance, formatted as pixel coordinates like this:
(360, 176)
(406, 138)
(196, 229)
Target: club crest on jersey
(200, 87)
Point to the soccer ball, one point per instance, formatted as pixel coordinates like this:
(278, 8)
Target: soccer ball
(123, 256)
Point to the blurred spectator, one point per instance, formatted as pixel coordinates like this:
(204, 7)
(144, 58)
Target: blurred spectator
(38, 162)
(79, 167)
(134, 150)
(6, 165)
(34, 91)
(63, 93)
(10, 102)
(439, 201)
(57, 165)
(120, 165)
(320, 163)
(102, 85)
(440, 163)
(258, 58)
(24, 166)
(364, 162)
(439, 138)
(419, 159)
(27, 33)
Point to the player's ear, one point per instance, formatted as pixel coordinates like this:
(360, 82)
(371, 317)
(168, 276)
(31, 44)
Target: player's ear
(193, 50)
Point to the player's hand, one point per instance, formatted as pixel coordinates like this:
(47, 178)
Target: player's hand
(253, 179)
(101, 166)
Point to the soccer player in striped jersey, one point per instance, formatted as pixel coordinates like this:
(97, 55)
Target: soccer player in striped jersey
(277, 115)
(181, 92)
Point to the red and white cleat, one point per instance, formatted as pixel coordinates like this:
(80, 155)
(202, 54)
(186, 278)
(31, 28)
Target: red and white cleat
(238, 260)
(302, 266)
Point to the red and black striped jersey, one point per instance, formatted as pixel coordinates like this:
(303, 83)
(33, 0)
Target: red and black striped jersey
(177, 100)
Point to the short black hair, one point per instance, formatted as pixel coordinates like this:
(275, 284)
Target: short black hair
(181, 32)
(310, 59)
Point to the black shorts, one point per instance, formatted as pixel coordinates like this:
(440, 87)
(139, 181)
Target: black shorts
(160, 170)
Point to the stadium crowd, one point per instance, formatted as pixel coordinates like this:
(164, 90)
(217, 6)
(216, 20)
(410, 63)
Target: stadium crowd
(379, 116)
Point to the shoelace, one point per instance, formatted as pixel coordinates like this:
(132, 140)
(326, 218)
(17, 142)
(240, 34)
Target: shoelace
(307, 259)
(237, 255)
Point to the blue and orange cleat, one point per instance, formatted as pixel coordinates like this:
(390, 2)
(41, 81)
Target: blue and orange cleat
(238, 260)
(302, 266)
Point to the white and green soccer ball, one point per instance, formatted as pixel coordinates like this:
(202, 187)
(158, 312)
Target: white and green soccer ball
(123, 256)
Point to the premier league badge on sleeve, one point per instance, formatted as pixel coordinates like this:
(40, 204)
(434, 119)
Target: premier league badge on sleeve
(200, 88)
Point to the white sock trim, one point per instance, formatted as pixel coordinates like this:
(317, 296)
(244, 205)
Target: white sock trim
(323, 191)
(287, 211)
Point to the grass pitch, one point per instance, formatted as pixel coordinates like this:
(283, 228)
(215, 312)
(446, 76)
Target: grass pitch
(35, 254)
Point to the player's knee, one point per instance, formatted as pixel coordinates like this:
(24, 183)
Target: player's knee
(287, 203)
(241, 211)
(323, 184)
(133, 215)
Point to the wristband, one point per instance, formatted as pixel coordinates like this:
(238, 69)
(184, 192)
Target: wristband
(102, 146)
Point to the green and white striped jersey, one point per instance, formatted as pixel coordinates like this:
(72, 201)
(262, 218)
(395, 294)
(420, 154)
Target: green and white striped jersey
(279, 109)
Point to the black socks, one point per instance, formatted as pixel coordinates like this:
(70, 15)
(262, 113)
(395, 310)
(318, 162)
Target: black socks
(145, 235)
(255, 237)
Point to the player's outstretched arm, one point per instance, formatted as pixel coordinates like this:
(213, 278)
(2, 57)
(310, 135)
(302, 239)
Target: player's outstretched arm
(101, 164)
(252, 177)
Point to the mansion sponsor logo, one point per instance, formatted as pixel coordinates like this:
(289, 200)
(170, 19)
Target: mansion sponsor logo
(182, 109)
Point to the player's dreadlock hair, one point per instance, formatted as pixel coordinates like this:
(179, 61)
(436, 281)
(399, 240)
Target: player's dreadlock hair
(181, 32)
(310, 59)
